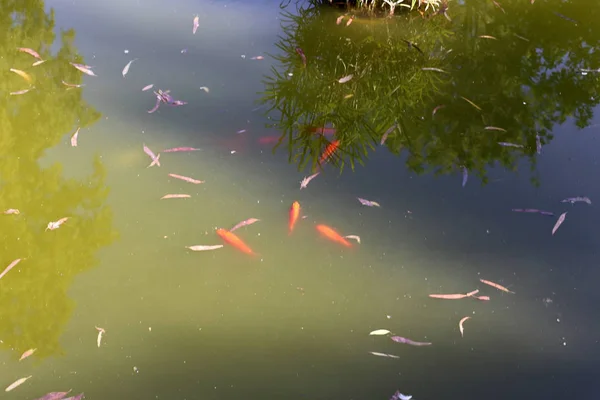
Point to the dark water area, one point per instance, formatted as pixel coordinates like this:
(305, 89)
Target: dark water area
(506, 90)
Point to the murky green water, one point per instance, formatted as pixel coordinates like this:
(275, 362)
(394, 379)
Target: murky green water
(294, 321)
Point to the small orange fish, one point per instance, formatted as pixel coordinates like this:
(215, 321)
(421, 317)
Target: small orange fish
(329, 150)
(294, 214)
(332, 235)
(234, 240)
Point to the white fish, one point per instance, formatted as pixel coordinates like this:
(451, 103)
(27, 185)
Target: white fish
(559, 222)
(207, 90)
(126, 69)
(346, 78)
(74, 138)
(379, 332)
(148, 87)
(404, 396)
(204, 248)
(17, 383)
(101, 332)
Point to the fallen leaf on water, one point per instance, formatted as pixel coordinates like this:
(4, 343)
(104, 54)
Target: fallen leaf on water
(368, 203)
(72, 85)
(471, 103)
(10, 266)
(494, 128)
(27, 354)
(195, 24)
(345, 78)
(101, 332)
(86, 69)
(126, 69)
(353, 237)
(54, 395)
(74, 138)
(383, 354)
(186, 179)
(175, 196)
(559, 222)
(379, 332)
(30, 52)
(460, 325)
(17, 383)
(204, 248)
(497, 286)
(22, 74)
(19, 92)
(56, 224)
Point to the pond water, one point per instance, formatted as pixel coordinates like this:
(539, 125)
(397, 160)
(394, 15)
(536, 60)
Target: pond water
(292, 321)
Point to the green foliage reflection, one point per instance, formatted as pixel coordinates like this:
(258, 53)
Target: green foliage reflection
(524, 75)
(34, 306)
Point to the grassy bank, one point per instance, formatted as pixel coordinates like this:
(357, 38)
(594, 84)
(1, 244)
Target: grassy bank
(391, 6)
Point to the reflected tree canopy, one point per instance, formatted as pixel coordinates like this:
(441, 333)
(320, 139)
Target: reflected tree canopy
(505, 67)
(34, 305)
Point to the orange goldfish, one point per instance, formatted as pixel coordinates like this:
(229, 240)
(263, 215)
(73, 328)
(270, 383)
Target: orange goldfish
(234, 240)
(329, 150)
(332, 235)
(294, 214)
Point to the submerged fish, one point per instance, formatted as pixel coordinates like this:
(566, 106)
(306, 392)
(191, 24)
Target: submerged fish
(293, 217)
(329, 150)
(332, 235)
(346, 78)
(232, 239)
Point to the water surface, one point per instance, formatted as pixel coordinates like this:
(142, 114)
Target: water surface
(293, 322)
